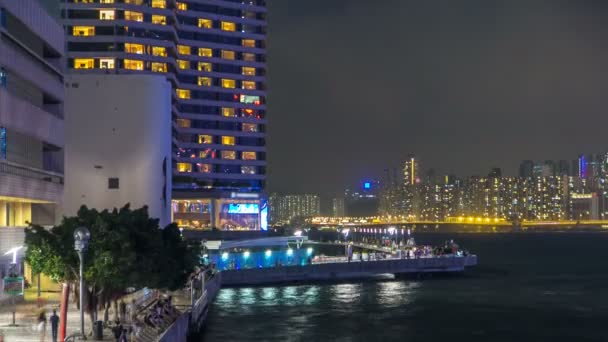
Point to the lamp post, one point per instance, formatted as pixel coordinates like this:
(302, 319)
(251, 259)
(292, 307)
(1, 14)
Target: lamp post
(81, 242)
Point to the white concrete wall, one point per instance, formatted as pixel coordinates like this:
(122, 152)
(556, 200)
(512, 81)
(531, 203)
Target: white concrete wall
(118, 126)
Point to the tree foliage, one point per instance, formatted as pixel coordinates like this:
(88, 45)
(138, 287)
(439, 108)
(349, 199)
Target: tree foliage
(127, 249)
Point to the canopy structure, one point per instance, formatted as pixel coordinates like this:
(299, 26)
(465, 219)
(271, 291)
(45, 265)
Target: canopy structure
(264, 242)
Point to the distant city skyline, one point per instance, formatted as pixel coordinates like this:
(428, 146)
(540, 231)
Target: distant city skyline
(465, 87)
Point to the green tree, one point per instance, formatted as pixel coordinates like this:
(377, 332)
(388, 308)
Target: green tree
(127, 249)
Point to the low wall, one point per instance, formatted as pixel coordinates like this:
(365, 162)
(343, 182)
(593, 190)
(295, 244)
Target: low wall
(337, 271)
(178, 331)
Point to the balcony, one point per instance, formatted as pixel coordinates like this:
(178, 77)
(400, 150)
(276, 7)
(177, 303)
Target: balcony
(31, 183)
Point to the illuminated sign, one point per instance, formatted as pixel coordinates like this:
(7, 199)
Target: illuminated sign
(264, 216)
(243, 208)
(367, 185)
(243, 195)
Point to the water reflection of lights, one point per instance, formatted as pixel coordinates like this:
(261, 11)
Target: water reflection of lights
(246, 296)
(346, 293)
(396, 293)
(269, 295)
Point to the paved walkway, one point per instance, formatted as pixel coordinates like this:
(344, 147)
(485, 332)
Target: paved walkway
(25, 318)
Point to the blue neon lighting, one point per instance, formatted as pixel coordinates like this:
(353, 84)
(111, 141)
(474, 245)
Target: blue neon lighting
(2, 143)
(367, 185)
(243, 208)
(264, 217)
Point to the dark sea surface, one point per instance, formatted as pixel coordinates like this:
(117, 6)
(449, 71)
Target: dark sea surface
(527, 287)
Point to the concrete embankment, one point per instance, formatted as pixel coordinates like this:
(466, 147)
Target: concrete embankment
(345, 270)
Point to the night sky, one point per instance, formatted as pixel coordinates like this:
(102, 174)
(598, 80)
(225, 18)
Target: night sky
(357, 85)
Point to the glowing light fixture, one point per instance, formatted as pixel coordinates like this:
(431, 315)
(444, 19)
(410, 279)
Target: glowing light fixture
(246, 254)
(309, 251)
(290, 252)
(225, 256)
(268, 253)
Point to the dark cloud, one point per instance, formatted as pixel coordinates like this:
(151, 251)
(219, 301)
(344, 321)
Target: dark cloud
(355, 86)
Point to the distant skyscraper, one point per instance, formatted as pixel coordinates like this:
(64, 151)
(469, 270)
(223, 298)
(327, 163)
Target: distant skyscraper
(337, 206)
(411, 186)
(526, 169)
(581, 166)
(563, 168)
(284, 208)
(495, 172)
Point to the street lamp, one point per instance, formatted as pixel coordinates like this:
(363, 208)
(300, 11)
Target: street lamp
(81, 242)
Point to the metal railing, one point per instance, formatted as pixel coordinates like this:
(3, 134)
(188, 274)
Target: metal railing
(30, 172)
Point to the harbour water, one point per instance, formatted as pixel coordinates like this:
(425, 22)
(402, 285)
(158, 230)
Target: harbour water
(527, 287)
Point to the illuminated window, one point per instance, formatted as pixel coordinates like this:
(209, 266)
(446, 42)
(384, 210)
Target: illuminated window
(227, 140)
(247, 127)
(204, 154)
(106, 14)
(106, 1)
(183, 93)
(205, 139)
(134, 64)
(227, 111)
(183, 123)
(248, 170)
(134, 2)
(134, 16)
(249, 57)
(106, 63)
(204, 66)
(182, 64)
(228, 155)
(84, 63)
(203, 168)
(248, 156)
(159, 51)
(205, 23)
(248, 71)
(250, 99)
(183, 49)
(83, 31)
(228, 26)
(159, 19)
(134, 48)
(182, 6)
(159, 3)
(248, 85)
(249, 43)
(227, 83)
(184, 167)
(204, 81)
(159, 67)
(228, 54)
(205, 52)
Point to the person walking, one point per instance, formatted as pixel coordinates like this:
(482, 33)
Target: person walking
(54, 325)
(42, 326)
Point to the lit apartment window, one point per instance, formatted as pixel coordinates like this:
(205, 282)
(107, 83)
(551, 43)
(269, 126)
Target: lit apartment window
(106, 14)
(134, 48)
(83, 31)
(248, 156)
(159, 19)
(249, 57)
(204, 66)
(248, 170)
(183, 49)
(106, 1)
(204, 81)
(184, 167)
(159, 51)
(84, 63)
(182, 6)
(228, 54)
(183, 123)
(227, 140)
(248, 71)
(183, 93)
(106, 63)
(248, 85)
(134, 64)
(205, 139)
(228, 26)
(205, 23)
(182, 64)
(228, 155)
(134, 2)
(159, 67)
(227, 111)
(204, 154)
(205, 52)
(134, 16)
(227, 83)
(248, 127)
(159, 3)
(203, 168)
(249, 43)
